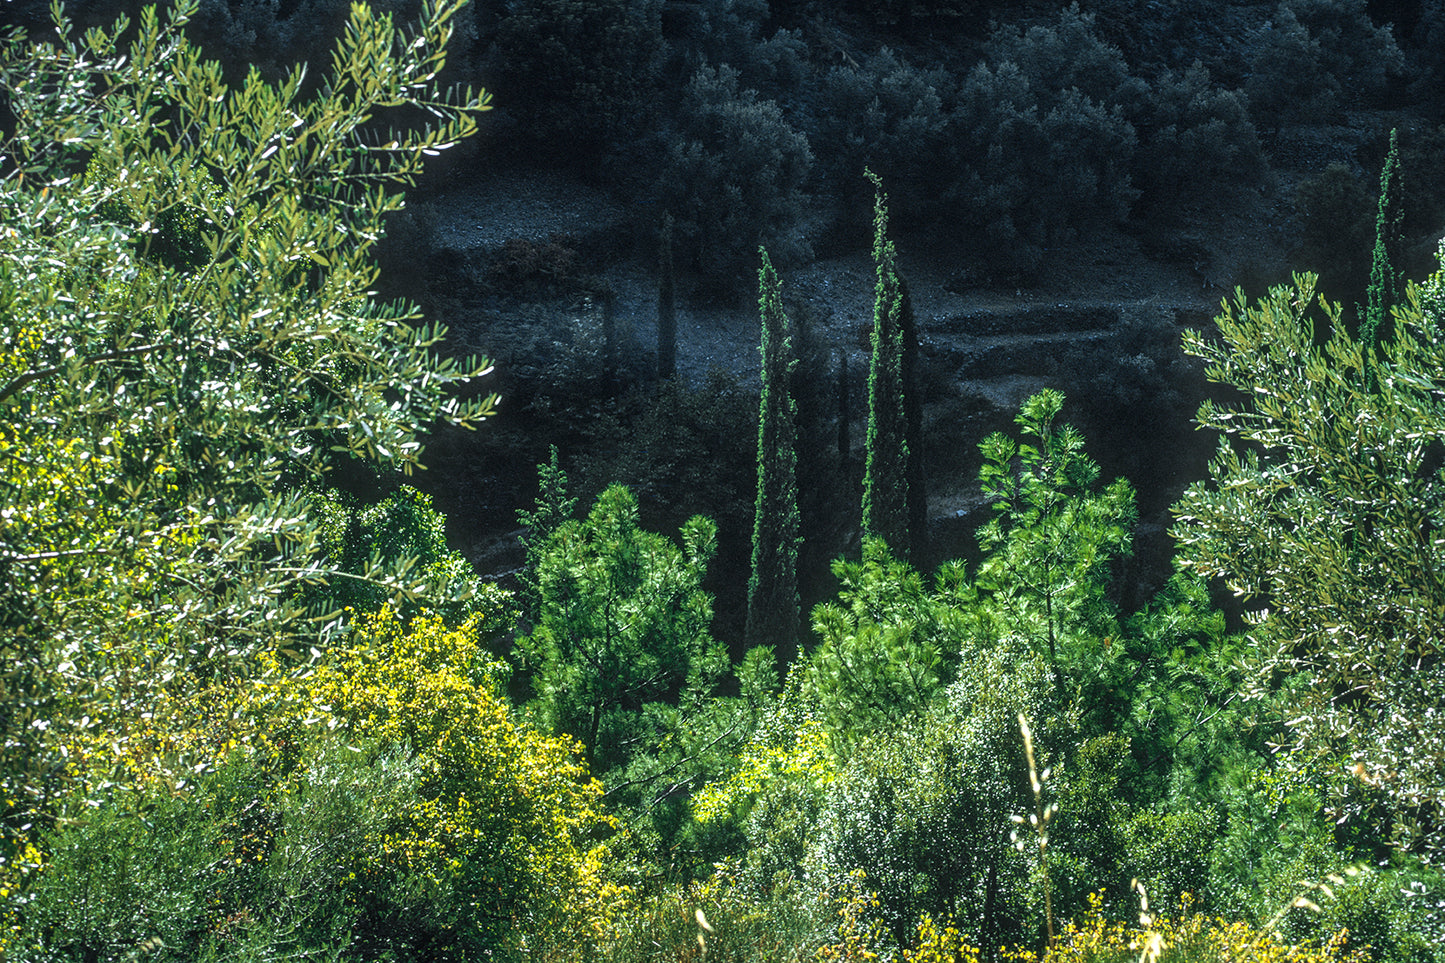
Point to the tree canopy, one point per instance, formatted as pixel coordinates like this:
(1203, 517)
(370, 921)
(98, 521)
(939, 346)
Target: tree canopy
(188, 335)
(1325, 511)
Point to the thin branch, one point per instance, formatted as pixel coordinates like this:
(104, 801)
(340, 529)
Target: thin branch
(25, 380)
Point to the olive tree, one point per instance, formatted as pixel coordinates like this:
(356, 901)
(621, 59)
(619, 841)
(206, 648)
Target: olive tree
(1325, 511)
(189, 338)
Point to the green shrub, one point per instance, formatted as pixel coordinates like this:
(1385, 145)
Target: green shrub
(924, 810)
(885, 648)
(1396, 914)
(734, 179)
(385, 804)
(1168, 851)
(247, 862)
(375, 547)
(622, 629)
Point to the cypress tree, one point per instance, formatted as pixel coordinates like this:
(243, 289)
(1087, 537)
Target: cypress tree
(666, 305)
(773, 606)
(1385, 279)
(553, 507)
(885, 472)
(608, 299)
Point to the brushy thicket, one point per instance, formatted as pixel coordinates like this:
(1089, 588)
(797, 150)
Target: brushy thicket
(991, 761)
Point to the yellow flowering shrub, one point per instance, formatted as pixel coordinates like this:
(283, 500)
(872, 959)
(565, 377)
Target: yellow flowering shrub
(505, 811)
(939, 944)
(388, 780)
(858, 935)
(1192, 938)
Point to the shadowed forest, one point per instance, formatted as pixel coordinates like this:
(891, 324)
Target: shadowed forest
(908, 480)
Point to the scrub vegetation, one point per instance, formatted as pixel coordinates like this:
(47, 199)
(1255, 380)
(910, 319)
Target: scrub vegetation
(255, 705)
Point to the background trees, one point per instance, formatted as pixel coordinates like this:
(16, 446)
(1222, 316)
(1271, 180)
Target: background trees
(734, 177)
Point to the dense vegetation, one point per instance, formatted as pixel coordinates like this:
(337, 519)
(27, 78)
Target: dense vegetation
(253, 706)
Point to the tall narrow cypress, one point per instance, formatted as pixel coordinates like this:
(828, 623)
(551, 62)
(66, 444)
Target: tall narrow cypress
(666, 305)
(885, 472)
(1385, 279)
(773, 606)
(552, 508)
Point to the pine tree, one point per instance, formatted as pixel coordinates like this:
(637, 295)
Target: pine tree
(1385, 278)
(773, 605)
(885, 474)
(666, 305)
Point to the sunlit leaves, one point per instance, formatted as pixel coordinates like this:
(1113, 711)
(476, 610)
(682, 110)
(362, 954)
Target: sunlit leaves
(1054, 536)
(1324, 510)
(187, 334)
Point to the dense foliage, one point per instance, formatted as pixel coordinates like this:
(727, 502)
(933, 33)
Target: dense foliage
(254, 705)
(190, 340)
(1323, 505)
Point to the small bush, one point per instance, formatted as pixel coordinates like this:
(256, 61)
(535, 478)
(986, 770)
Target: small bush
(533, 269)
(217, 868)
(385, 805)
